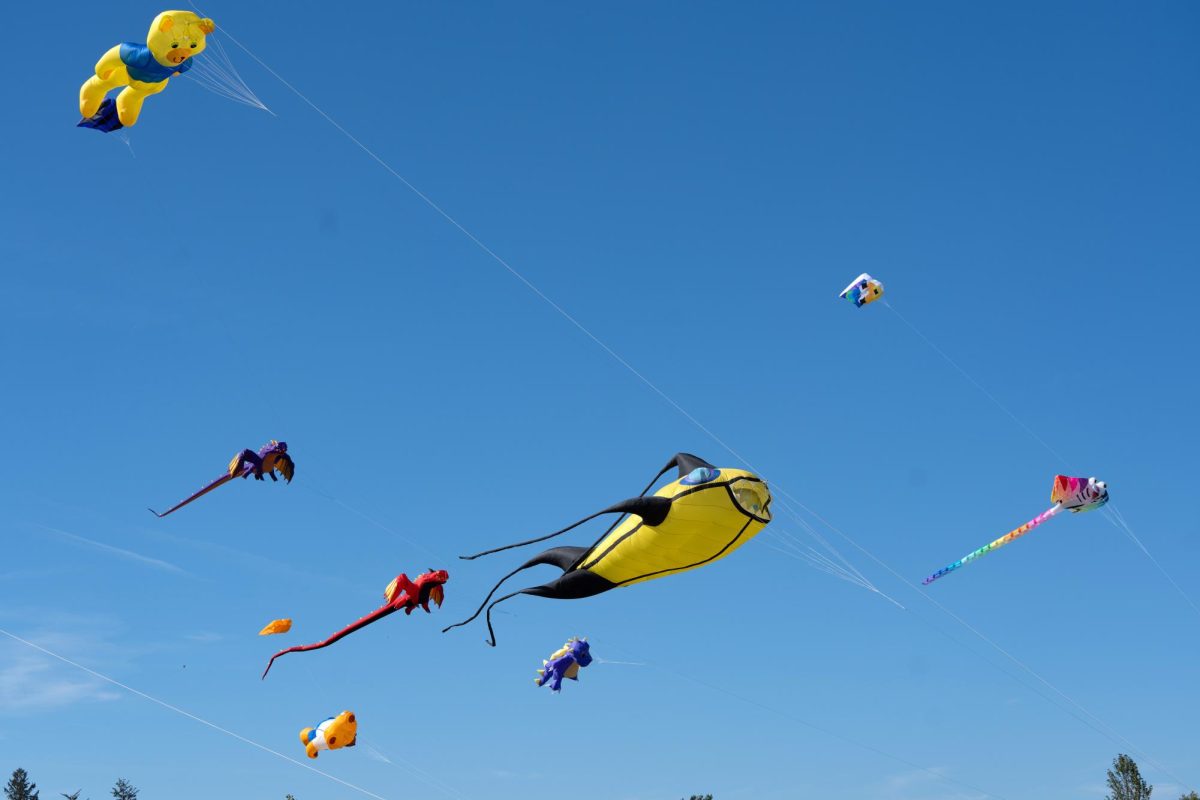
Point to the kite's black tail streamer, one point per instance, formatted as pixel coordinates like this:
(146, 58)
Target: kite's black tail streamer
(684, 461)
(559, 532)
(562, 557)
(488, 616)
(652, 509)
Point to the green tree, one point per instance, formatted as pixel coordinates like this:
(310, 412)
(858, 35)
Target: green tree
(701, 797)
(1189, 796)
(293, 797)
(1125, 781)
(124, 790)
(19, 787)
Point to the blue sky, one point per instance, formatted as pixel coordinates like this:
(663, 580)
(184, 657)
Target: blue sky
(694, 183)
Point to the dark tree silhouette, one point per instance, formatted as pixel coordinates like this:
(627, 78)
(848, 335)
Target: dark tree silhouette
(124, 790)
(1125, 781)
(19, 787)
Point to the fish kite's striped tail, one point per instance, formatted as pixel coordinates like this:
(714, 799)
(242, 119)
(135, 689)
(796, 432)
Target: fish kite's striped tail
(1003, 540)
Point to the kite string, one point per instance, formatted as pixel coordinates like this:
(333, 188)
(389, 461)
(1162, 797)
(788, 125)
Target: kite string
(793, 548)
(391, 759)
(316, 490)
(1117, 519)
(668, 399)
(824, 731)
(801, 546)
(201, 720)
(442, 212)
(478, 243)
(1108, 731)
(122, 135)
(801, 552)
(832, 571)
(976, 384)
(1097, 724)
(1113, 515)
(849, 567)
(217, 73)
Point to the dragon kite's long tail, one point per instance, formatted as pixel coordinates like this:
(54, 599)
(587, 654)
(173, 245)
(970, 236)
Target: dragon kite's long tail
(216, 482)
(374, 616)
(1003, 540)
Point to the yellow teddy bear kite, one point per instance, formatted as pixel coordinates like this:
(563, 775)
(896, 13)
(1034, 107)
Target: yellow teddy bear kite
(143, 69)
(332, 734)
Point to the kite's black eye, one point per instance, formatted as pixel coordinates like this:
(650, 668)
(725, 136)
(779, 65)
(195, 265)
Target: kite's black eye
(193, 46)
(174, 44)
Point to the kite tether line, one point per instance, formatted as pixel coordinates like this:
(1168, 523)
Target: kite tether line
(202, 721)
(650, 384)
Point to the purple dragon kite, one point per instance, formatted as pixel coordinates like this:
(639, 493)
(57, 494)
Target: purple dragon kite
(272, 458)
(565, 663)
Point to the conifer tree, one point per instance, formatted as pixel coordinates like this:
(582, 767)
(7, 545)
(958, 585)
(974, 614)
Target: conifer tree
(19, 787)
(124, 790)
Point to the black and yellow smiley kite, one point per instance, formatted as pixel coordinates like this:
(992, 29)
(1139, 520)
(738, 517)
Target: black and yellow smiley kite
(702, 516)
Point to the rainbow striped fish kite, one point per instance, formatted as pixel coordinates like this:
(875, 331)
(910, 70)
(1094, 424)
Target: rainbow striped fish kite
(1069, 494)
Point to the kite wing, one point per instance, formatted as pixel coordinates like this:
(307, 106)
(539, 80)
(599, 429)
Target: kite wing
(104, 120)
(1003, 540)
(286, 467)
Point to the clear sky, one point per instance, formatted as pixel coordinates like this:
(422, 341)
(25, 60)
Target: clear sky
(694, 182)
